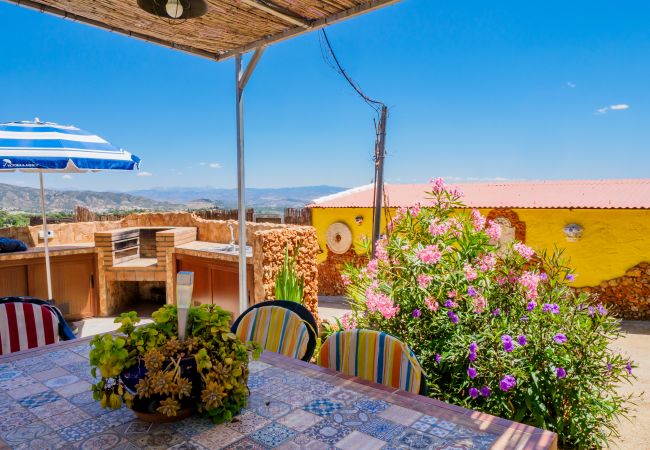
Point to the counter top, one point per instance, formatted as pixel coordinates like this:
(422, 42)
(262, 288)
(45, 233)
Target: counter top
(212, 250)
(55, 250)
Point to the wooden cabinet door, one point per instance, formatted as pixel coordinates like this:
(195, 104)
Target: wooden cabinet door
(225, 289)
(72, 285)
(202, 292)
(13, 281)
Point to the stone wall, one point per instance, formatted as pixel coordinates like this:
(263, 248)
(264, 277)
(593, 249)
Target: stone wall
(627, 297)
(270, 259)
(330, 281)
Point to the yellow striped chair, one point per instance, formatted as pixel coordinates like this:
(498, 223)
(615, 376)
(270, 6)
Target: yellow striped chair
(279, 326)
(374, 356)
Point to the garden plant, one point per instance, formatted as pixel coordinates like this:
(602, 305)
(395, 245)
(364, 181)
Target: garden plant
(208, 370)
(496, 326)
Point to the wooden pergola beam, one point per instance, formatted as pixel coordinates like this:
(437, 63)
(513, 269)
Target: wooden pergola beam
(277, 12)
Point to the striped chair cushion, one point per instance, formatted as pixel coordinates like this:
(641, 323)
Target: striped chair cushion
(373, 356)
(276, 329)
(25, 325)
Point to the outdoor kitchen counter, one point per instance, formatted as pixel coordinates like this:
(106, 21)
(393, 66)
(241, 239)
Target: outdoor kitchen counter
(212, 250)
(55, 250)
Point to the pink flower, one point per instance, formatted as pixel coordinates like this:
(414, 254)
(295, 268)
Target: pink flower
(479, 304)
(525, 251)
(347, 322)
(493, 231)
(380, 250)
(529, 281)
(478, 221)
(430, 254)
(437, 185)
(376, 301)
(501, 280)
(486, 262)
(452, 294)
(438, 229)
(373, 266)
(432, 304)
(424, 280)
(470, 272)
(346, 280)
(415, 210)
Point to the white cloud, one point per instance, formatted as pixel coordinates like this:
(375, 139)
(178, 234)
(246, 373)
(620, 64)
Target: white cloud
(67, 177)
(215, 165)
(571, 85)
(617, 107)
(144, 174)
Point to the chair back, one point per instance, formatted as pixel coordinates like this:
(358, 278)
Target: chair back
(374, 356)
(279, 326)
(26, 325)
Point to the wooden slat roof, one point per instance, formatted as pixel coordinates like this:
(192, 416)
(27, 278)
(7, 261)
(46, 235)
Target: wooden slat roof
(229, 27)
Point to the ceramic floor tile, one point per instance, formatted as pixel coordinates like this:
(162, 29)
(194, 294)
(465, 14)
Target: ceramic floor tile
(74, 388)
(82, 430)
(382, 429)
(138, 426)
(257, 366)
(248, 422)
(360, 441)
(272, 435)
(416, 440)
(245, 444)
(159, 437)
(55, 407)
(50, 373)
(371, 405)
(40, 399)
(304, 442)
(187, 445)
(218, 437)
(351, 417)
(26, 433)
(65, 419)
(21, 381)
(328, 432)
(322, 407)
(54, 383)
(272, 408)
(398, 414)
(192, 426)
(15, 418)
(50, 441)
(345, 396)
(105, 441)
(300, 420)
(26, 391)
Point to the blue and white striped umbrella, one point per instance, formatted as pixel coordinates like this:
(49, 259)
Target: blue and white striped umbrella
(49, 147)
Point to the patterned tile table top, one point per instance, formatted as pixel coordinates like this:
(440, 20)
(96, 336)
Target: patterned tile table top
(45, 403)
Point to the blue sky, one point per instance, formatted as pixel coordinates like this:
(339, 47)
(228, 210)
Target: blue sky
(476, 90)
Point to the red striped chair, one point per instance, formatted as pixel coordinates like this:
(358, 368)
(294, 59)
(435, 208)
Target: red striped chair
(26, 325)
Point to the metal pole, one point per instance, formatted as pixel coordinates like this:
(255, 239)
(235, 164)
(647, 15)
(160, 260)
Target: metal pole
(379, 178)
(48, 272)
(241, 185)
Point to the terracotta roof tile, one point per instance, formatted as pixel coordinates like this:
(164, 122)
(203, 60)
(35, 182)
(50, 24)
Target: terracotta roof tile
(603, 194)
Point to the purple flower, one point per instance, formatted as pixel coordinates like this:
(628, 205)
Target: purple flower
(438, 358)
(543, 276)
(601, 309)
(472, 356)
(559, 338)
(485, 391)
(609, 367)
(507, 343)
(473, 347)
(507, 383)
(590, 311)
(551, 307)
(522, 340)
(417, 313)
(570, 277)
(471, 372)
(629, 368)
(473, 392)
(449, 303)
(531, 305)
(496, 312)
(471, 291)
(453, 317)
(524, 318)
(560, 372)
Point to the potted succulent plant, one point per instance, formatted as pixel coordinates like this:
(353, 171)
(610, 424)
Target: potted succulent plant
(164, 378)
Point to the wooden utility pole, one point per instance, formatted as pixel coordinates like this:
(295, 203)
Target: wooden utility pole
(380, 152)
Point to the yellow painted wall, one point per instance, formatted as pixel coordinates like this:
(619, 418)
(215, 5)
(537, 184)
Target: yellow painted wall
(613, 240)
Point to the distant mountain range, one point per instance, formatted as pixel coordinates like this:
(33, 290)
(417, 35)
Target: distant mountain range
(258, 198)
(25, 199)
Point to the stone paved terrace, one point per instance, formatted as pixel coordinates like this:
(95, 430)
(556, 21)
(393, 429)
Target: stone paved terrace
(45, 403)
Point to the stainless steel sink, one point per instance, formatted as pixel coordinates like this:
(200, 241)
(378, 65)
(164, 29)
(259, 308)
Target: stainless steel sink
(227, 248)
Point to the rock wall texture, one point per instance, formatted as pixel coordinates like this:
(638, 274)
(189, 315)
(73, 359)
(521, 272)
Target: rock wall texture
(330, 281)
(627, 297)
(273, 243)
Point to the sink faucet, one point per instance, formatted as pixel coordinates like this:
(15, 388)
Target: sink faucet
(232, 234)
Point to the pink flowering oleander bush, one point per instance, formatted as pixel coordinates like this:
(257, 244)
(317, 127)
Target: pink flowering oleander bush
(496, 329)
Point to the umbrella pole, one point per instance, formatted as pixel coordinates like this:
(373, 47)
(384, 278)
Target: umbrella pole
(48, 272)
(241, 78)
